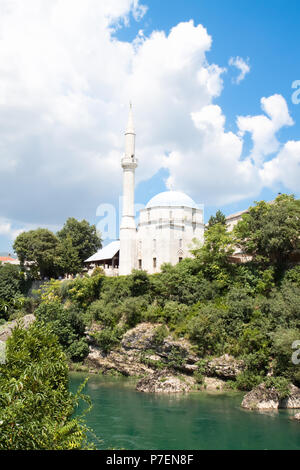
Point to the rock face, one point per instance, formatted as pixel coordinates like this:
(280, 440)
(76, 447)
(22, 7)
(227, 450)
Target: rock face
(262, 398)
(225, 367)
(212, 384)
(164, 382)
(127, 364)
(6, 330)
(139, 355)
(166, 366)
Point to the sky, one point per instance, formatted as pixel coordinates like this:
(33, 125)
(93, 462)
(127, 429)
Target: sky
(215, 87)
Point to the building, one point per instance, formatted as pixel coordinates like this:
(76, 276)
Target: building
(166, 228)
(9, 260)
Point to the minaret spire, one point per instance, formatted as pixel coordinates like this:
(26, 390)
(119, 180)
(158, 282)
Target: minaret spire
(128, 227)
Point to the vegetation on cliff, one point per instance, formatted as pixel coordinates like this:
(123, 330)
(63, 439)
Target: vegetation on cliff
(250, 311)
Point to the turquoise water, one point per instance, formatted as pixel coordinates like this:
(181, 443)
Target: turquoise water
(125, 419)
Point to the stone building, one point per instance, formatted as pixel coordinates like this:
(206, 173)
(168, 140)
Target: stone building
(166, 228)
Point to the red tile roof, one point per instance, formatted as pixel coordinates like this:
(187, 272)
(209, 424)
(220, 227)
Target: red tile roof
(6, 258)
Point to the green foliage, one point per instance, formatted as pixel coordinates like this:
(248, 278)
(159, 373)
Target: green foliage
(48, 255)
(80, 237)
(205, 330)
(68, 325)
(270, 232)
(11, 283)
(280, 384)
(176, 357)
(36, 407)
(174, 314)
(219, 218)
(214, 255)
(40, 249)
(108, 338)
(85, 290)
(133, 310)
(160, 335)
(248, 380)
(139, 283)
(106, 314)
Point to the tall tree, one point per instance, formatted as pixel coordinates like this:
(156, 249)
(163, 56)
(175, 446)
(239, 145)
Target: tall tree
(214, 255)
(38, 249)
(84, 237)
(270, 231)
(219, 218)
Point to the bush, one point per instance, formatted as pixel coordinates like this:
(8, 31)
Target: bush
(248, 380)
(37, 409)
(280, 384)
(160, 335)
(68, 325)
(107, 314)
(107, 339)
(133, 310)
(207, 332)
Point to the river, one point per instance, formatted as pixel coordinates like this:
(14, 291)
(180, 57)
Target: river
(122, 418)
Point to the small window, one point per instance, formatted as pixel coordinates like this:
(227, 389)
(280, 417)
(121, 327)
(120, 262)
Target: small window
(180, 259)
(154, 263)
(140, 264)
(180, 243)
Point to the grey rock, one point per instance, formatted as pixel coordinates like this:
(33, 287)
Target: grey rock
(7, 329)
(262, 398)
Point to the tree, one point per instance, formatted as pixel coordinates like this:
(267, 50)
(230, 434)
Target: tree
(269, 232)
(69, 257)
(39, 250)
(10, 287)
(219, 218)
(36, 407)
(214, 255)
(84, 237)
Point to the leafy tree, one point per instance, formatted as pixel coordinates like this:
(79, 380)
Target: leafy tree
(270, 232)
(219, 218)
(70, 262)
(214, 255)
(83, 236)
(36, 407)
(39, 250)
(11, 287)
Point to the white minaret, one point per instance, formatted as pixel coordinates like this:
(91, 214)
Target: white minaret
(128, 227)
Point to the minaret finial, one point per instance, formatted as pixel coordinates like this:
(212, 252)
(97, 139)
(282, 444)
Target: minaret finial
(130, 125)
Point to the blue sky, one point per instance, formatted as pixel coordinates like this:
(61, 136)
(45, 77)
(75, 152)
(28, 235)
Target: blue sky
(67, 76)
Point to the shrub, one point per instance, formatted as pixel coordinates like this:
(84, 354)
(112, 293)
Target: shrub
(206, 331)
(37, 409)
(107, 339)
(133, 310)
(280, 384)
(160, 335)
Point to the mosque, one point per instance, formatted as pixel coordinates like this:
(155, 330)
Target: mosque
(166, 228)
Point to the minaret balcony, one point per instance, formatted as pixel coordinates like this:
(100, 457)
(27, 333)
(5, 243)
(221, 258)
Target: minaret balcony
(129, 163)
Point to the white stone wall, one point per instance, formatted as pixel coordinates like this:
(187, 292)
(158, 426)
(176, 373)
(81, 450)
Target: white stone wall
(166, 234)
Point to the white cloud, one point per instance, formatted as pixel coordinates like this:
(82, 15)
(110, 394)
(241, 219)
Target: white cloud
(242, 65)
(65, 85)
(263, 129)
(285, 168)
